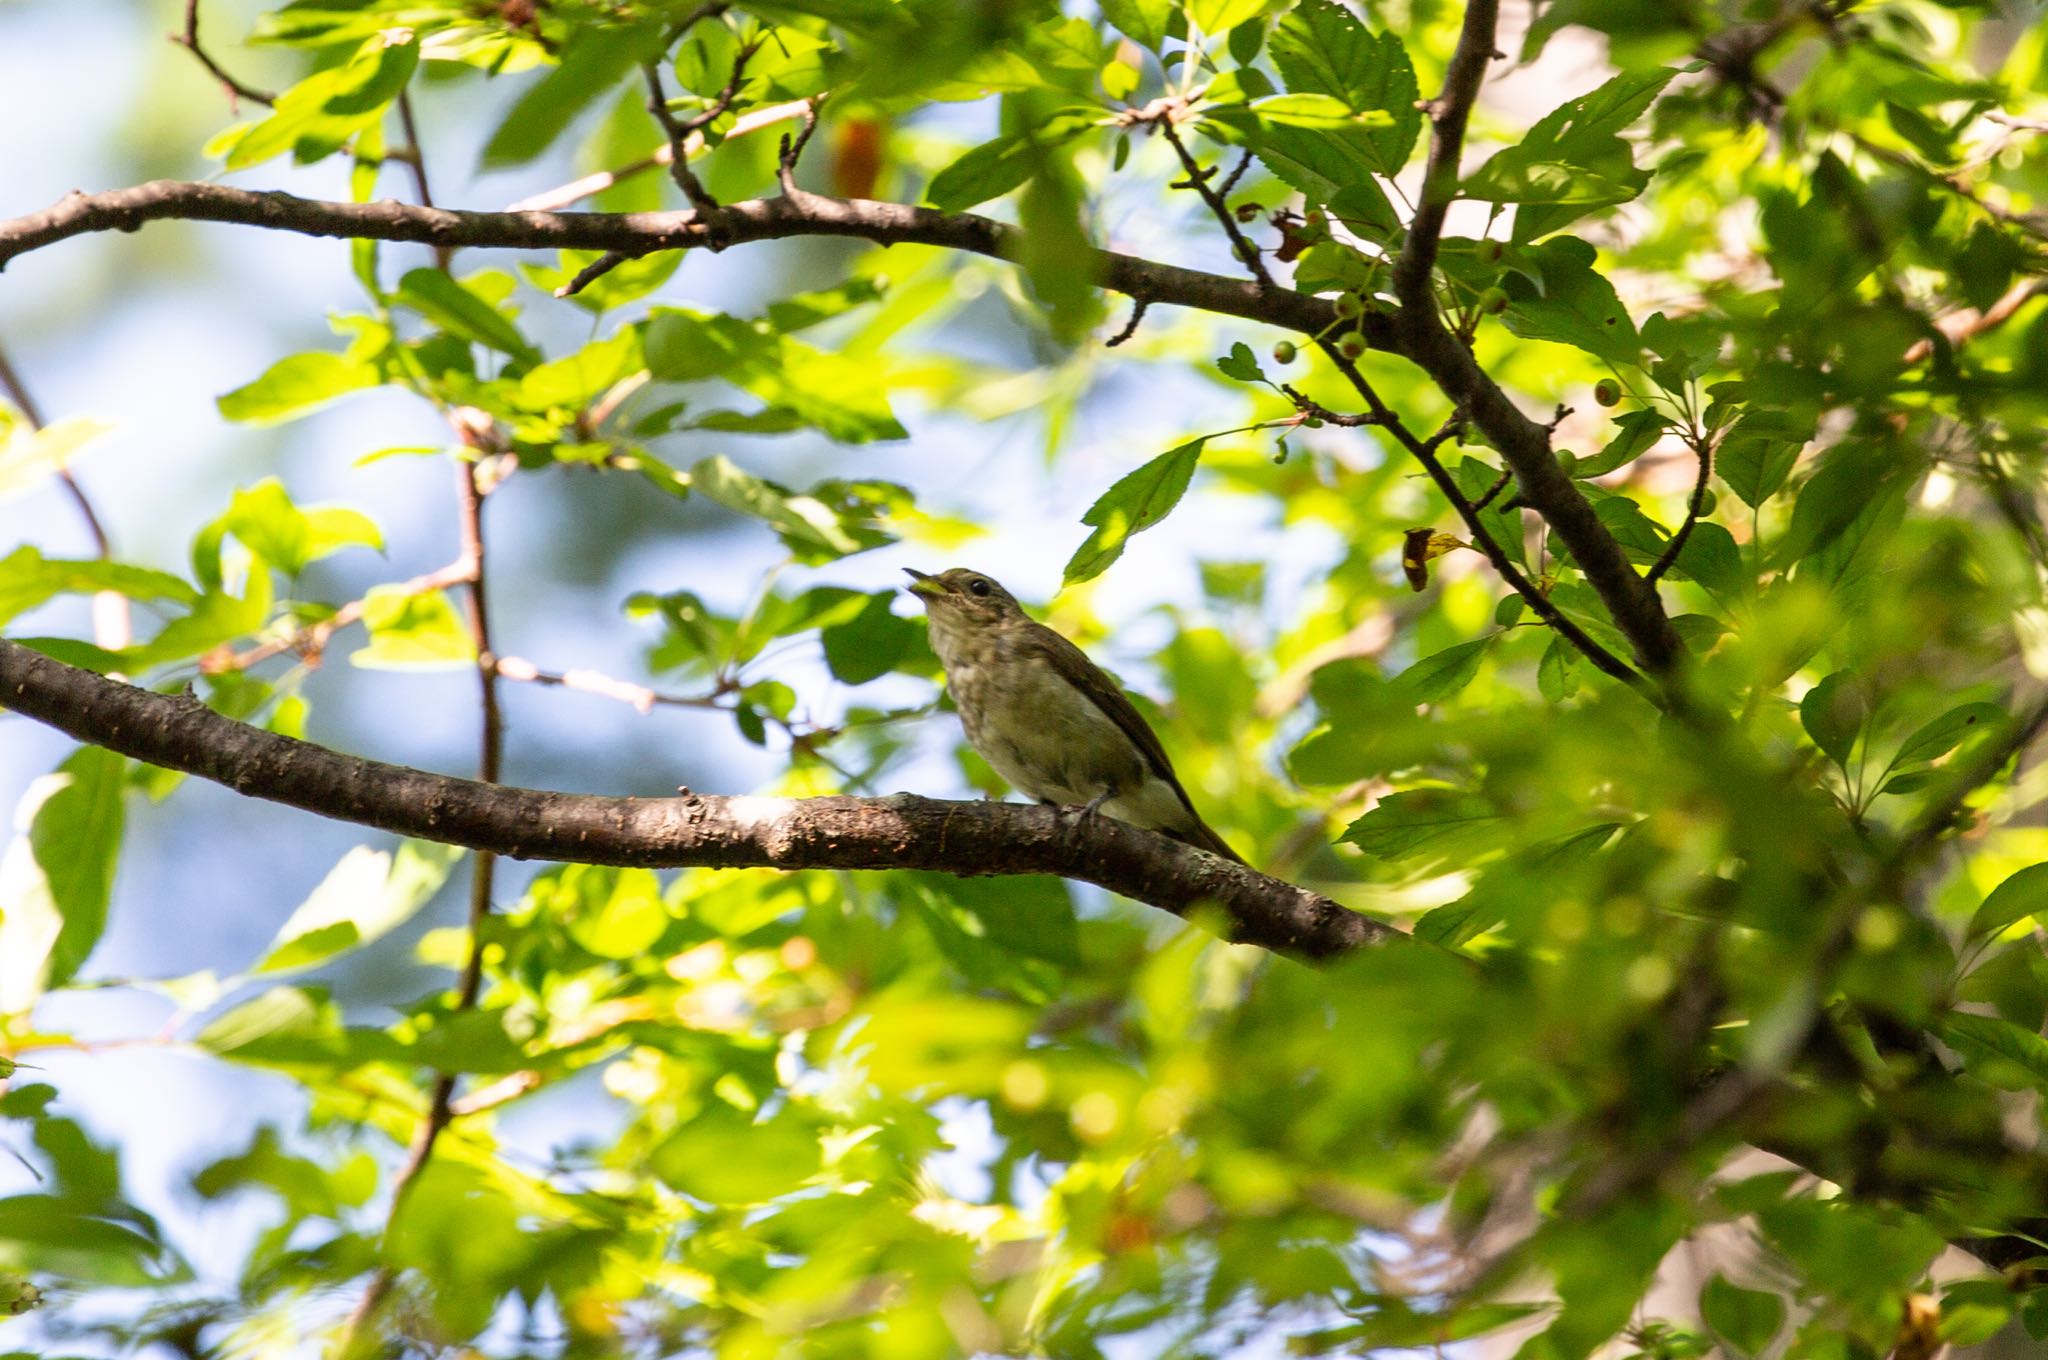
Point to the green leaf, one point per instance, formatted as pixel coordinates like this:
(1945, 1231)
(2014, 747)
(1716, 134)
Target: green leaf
(1745, 1319)
(1850, 480)
(1712, 557)
(1137, 501)
(1402, 823)
(1320, 47)
(613, 913)
(1022, 936)
(106, 1243)
(870, 644)
(597, 56)
(995, 168)
(1142, 21)
(1437, 677)
(812, 529)
(1573, 160)
(57, 875)
(1936, 738)
(316, 116)
(1241, 364)
(723, 1157)
(1988, 1042)
(1559, 671)
(364, 897)
(832, 392)
(1220, 16)
(412, 631)
(1832, 714)
(461, 311)
(293, 386)
(1638, 431)
(289, 538)
(1555, 294)
(1755, 466)
(28, 579)
(576, 380)
(28, 455)
(2022, 895)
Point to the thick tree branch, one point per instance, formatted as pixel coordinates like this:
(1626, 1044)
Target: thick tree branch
(696, 830)
(1422, 337)
(767, 219)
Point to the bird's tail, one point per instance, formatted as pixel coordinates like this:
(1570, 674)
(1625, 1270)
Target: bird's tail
(1199, 835)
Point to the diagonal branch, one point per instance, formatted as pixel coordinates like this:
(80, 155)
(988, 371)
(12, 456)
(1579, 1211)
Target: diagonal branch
(1695, 507)
(695, 830)
(1424, 451)
(1421, 336)
(189, 40)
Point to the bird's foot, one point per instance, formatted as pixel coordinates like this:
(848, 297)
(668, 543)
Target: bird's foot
(1082, 811)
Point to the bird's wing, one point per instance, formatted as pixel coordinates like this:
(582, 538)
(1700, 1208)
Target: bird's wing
(1084, 675)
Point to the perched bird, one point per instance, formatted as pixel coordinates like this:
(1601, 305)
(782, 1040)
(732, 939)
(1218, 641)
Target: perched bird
(1046, 717)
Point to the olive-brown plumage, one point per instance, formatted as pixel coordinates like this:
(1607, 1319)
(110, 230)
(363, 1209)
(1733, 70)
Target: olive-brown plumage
(1047, 718)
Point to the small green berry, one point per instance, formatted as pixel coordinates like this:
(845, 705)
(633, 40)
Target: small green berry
(1493, 301)
(1349, 305)
(1283, 352)
(1607, 392)
(1708, 500)
(1352, 345)
(1492, 251)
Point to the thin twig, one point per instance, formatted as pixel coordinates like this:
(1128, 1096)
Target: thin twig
(680, 130)
(592, 272)
(310, 642)
(1198, 180)
(1130, 327)
(790, 152)
(1500, 484)
(418, 165)
(469, 497)
(1695, 507)
(440, 1101)
(576, 190)
(1310, 407)
(518, 668)
(17, 392)
(189, 40)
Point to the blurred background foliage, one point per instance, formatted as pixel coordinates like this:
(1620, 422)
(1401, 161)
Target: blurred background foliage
(1723, 1027)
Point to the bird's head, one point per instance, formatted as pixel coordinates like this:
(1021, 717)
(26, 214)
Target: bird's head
(964, 599)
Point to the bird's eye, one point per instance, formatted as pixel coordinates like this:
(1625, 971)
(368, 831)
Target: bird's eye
(977, 587)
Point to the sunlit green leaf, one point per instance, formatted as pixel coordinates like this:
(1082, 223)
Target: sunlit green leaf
(1134, 503)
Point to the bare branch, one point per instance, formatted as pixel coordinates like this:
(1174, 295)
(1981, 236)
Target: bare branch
(1695, 506)
(1130, 327)
(1524, 444)
(1448, 113)
(681, 131)
(776, 218)
(898, 832)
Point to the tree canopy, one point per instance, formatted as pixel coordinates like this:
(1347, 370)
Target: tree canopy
(1627, 692)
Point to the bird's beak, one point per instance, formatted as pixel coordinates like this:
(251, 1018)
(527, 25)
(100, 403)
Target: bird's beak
(923, 585)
